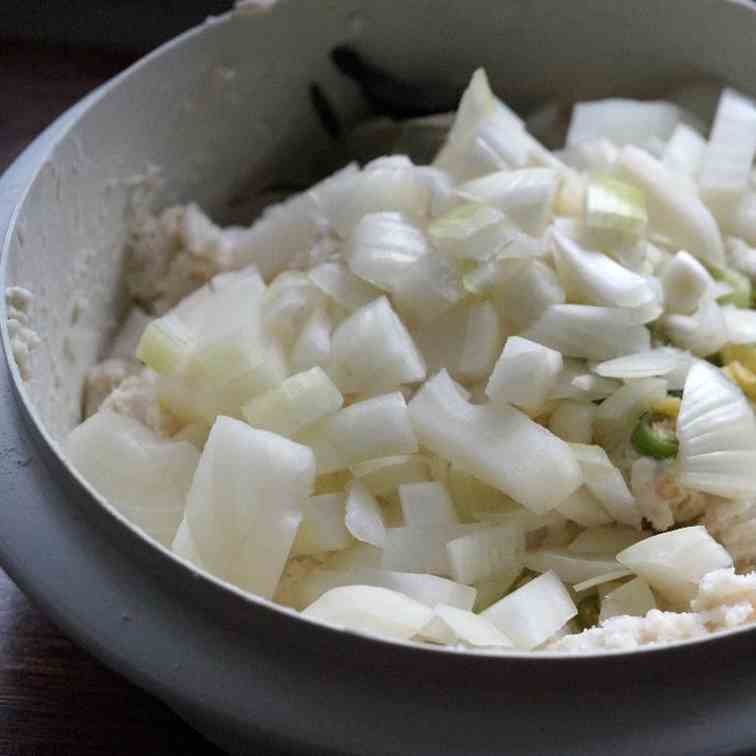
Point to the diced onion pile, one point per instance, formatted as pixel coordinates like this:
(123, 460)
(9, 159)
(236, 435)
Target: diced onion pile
(484, 403)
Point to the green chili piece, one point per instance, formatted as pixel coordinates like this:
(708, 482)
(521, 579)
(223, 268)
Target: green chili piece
(653, 437)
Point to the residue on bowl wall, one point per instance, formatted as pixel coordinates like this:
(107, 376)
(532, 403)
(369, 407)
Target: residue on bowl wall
(23, 338)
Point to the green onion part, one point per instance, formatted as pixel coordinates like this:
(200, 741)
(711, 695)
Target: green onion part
(652, 437)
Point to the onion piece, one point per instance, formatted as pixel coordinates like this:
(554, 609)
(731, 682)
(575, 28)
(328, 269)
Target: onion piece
(651, 364)
(338, 282)
(364, 519)
(532, 614)
(299, 401)
(524, 375)
(673, 211)
(672, 563)
(422, 548)
(371, 610)
(633, 599)
(684, 152)
(483, 554)
(605, 540)
(594, 333)
(470, 629)
(606, 483)
(570, 567)
(622, 121)
(426, 504)
(729, 155)
(288, 303)
(322, 527)
(593, 278)
(378, 427)
(608, 577)
(524, 293)
(482, 345)
(471, 231)
(385, 475)
(573, 421)
(374, 329)
(703, 333)
(717, 434)
(313, 345)
(141, 475)
(615, 205)
(383, 246)
(238, 535)
(740, 323)
(429, 590)
(525, 196)
(474, 498)
(165, 345)
(487, 441)
(584, 508)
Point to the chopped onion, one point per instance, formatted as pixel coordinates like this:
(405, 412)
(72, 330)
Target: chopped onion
(487, 441)
(422, 548)
(385, 475)
(717, 433)
(673, 563)
(378, 427)
(525, 374)
(426, 503)
(338, 282)
(364, 519)
(374, 329)
(313, 345)
(524, 196)
(470, 629)
(685, 283)
(571, 383)
(299, 401)
(605, 540)
(594, 278)
(482, 345)
(430, 287)
(729, 155)
(237, 534)
(356, 556)
(429, 590)
(703, 333)
(144, 477)
(573, 421)
(372, 610)
(568, 566)
(594, 333)
(383, 246)
(525, 292)
(606, 483)
(532, 614)
(584, 508)
(622, 121)
(651, 364)
(483, 554)
(165, 345)
(674, 212)
(322, 527)
(288, 303)
(633, 599)
(474, 498)
(741, 324)
(608, 577)
(615, 205)
(684, 152)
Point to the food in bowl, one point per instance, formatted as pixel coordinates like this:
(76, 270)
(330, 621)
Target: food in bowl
(499, 401)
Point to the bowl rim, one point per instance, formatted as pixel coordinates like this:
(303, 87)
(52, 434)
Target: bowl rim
(61, 129)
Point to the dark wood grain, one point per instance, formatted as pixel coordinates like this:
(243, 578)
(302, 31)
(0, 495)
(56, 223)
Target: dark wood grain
(54, 697)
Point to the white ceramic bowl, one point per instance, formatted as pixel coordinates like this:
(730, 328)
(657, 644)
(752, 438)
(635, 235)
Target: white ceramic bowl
(240, 669)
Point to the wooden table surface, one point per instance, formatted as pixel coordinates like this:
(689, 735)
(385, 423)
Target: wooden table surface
(54, 697)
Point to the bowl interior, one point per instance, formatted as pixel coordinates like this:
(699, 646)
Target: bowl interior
(221, 113)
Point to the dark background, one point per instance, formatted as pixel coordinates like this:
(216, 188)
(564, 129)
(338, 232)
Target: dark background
(54, 697)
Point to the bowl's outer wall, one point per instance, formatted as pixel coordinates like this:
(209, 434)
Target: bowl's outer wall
(236, 667)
